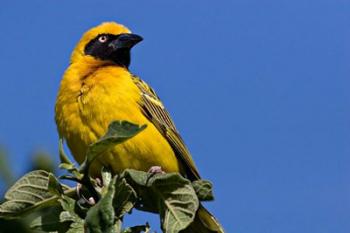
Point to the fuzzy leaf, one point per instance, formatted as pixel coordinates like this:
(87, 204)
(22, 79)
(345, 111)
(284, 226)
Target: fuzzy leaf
(68, 204)
(118, 226)
(139, 180)
(174, 196)
(51, 221)
(76, 227)
(204, 190)
(63, 157)
(28, 193)
(118, 132)
(54, 185)
(137, 229)
(124, 198)
(106, 176)
(67, 166)
(69, 214)
(178, 202)
(66, 163)
(100, 218)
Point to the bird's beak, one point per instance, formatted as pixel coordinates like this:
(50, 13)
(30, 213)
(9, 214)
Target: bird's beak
(125, 41)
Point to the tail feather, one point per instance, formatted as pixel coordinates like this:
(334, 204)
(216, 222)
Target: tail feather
(204, 222)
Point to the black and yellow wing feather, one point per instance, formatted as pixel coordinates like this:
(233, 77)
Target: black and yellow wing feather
(153, 109)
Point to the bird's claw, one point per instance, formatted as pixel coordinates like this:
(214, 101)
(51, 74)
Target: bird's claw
(90, 200)
(156, 170)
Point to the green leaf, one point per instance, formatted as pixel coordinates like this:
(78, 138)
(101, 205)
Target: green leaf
(139, 181)
(124, 198)
(106, 176)
(66, 163)
(54, 186)
(178, 202)
(76, 227)
(138, 178)
(63, 156)
(66, 166)
(101, 217)
(68, 204)
(66, 216)
(203, 189)
(76, 223)
(28, 193)
(174, 196)
(118, 226)
(118, 132)
(137, 229)
(51, 221)
(15, 225)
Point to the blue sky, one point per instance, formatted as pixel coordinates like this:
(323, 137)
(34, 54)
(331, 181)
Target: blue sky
(258, 89)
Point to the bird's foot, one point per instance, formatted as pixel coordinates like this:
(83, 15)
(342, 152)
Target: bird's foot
(87, 200)
(156, 170)
(82, 199)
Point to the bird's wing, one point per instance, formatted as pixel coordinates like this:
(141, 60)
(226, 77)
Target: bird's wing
(153, 109)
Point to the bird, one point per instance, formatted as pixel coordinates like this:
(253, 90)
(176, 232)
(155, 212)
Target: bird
(98, 88)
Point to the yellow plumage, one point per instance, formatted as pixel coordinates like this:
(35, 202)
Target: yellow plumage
(85, 107)
(96, 89)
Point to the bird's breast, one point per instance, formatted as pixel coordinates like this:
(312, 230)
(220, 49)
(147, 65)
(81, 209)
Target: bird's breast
(85, 108)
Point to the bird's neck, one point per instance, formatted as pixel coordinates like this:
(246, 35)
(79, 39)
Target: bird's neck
(88, 66)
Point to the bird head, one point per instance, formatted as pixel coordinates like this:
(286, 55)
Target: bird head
(107, 43)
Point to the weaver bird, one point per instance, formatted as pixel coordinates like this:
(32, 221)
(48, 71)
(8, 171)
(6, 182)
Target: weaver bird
(98, 88)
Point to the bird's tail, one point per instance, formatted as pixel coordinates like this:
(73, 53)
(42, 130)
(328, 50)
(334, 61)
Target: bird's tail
(204, 222)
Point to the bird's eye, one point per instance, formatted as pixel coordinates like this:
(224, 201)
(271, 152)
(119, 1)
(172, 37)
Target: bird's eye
(102, 39)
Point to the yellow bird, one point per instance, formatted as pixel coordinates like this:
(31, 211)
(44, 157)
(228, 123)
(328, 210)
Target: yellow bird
(98, 88)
